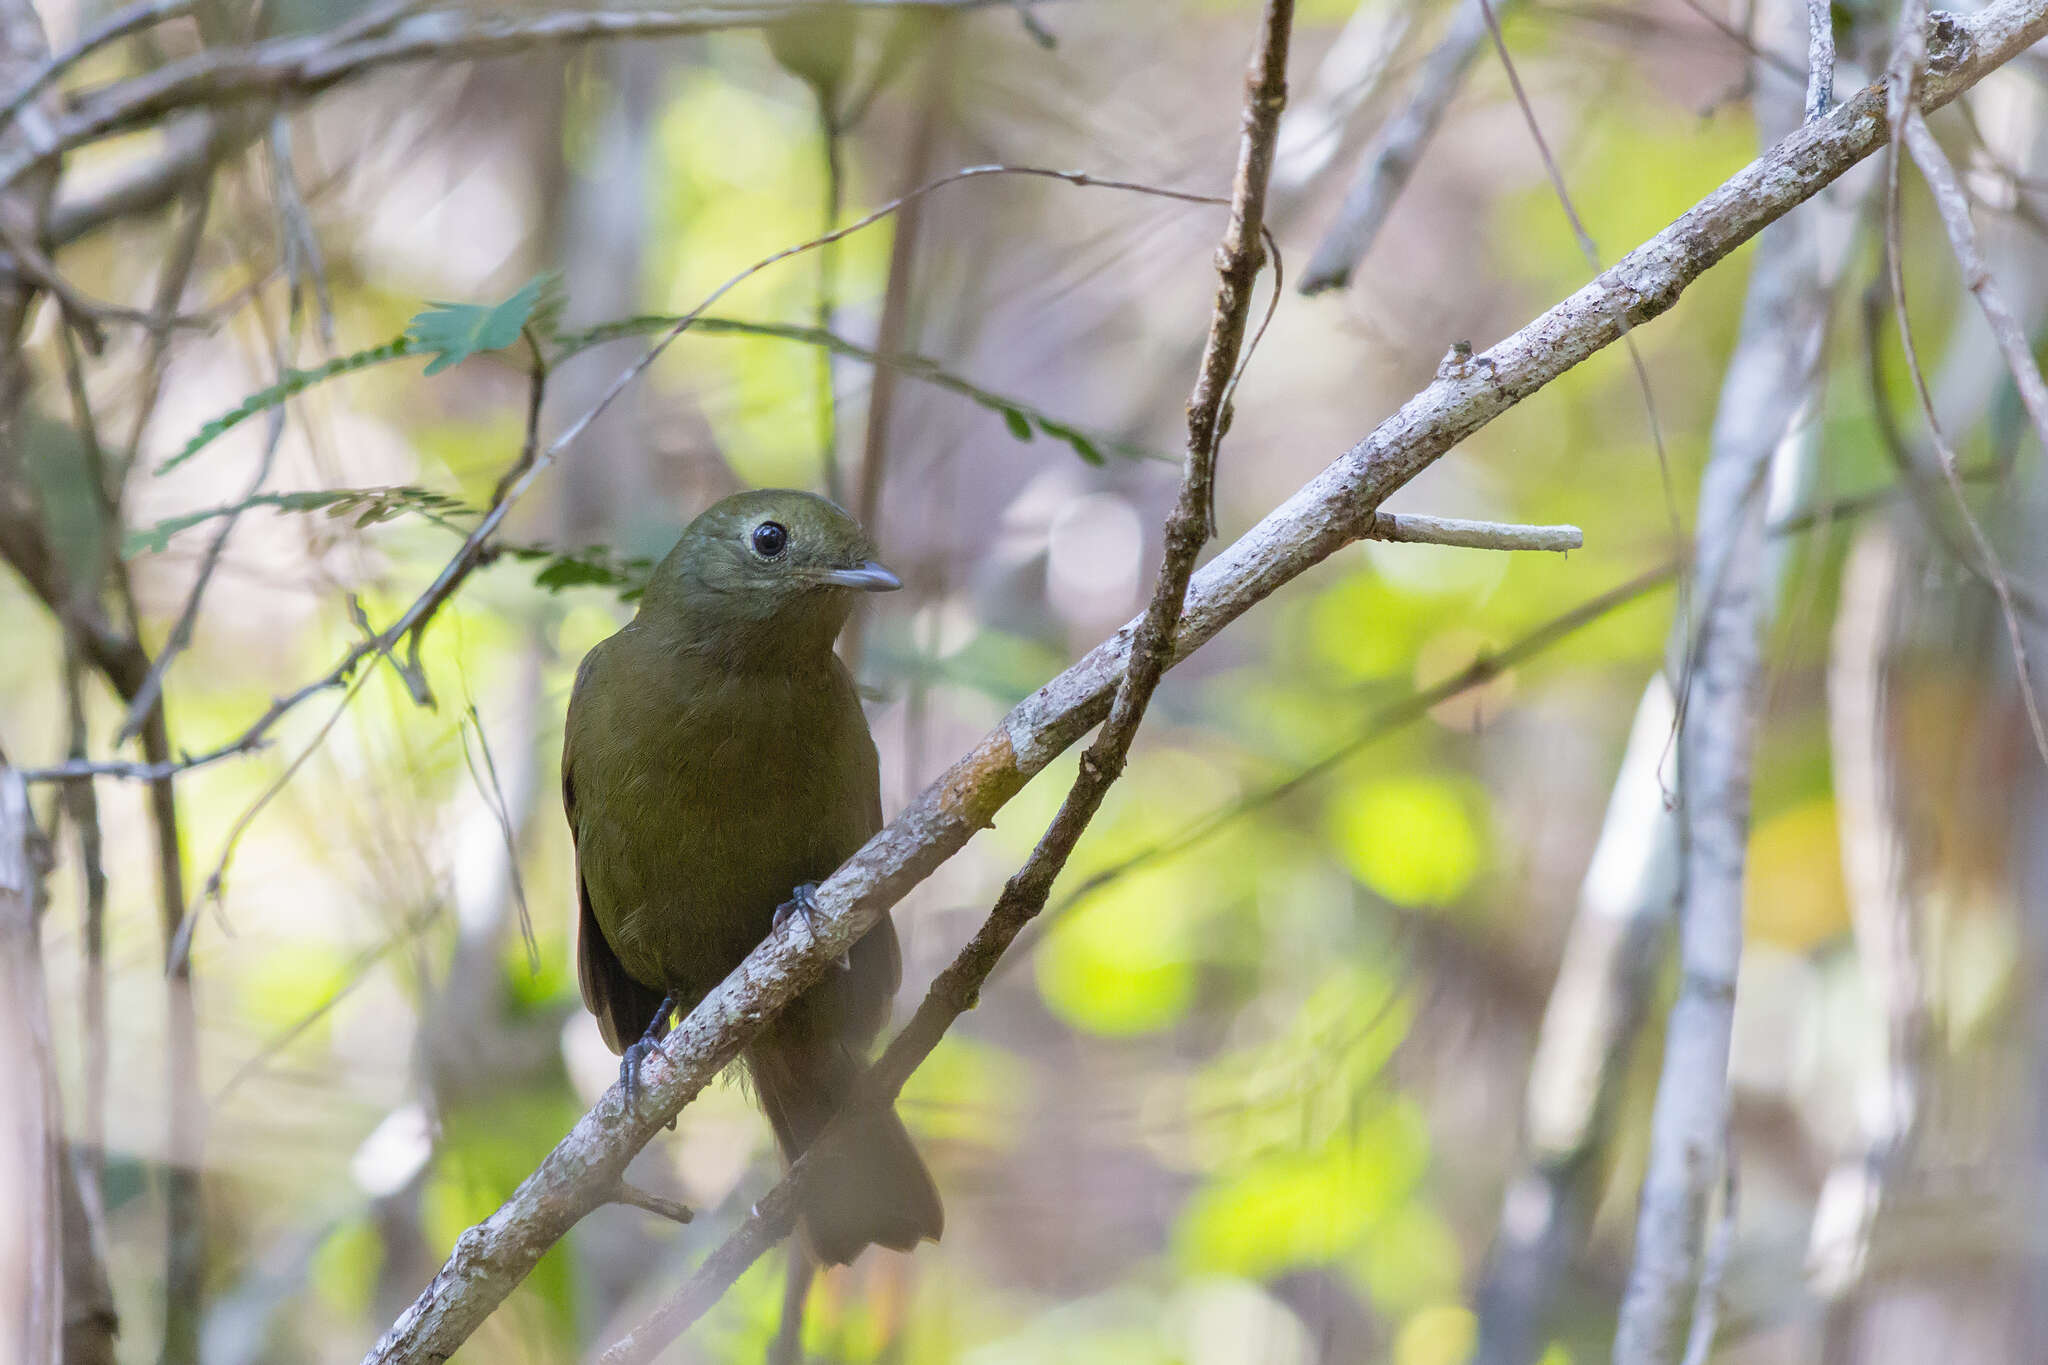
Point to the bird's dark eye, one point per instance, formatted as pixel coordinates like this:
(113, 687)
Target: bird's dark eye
(769, 539)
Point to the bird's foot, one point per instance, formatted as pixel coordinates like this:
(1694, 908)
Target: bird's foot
(803, 904)
(636, 1052)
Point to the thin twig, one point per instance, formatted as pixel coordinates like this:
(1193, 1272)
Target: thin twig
(185, 1211)
(170, 289)
(658, 1205)
(1473, 535)
(82, 311)
(1902, 83)
(116, 26)
(767, 1223)
(1743, 40)
(80, 801)
(2005, 326)
(910, 365)
(493, 796)
(1636, 24)
(305, 268)
(1820, 58)
(1923, 495)
(353, 975)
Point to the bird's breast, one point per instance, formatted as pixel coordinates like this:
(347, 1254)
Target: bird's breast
(720, 798)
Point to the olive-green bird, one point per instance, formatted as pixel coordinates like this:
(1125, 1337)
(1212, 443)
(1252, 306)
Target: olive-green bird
(716, 764)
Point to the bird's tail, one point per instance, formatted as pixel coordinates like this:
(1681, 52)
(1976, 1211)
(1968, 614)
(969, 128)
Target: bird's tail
(876, 1189)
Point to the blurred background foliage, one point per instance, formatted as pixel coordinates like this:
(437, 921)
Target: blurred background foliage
(1248, 1096)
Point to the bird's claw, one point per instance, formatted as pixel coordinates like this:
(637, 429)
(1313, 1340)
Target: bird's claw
(629, 1071)
(803, 904)
(638, 1050)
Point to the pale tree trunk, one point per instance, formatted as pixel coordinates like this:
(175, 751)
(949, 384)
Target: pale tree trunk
(1759, 464)
(31, 1122)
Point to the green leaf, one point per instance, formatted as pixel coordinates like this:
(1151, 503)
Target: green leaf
(368, 505)
(156, 539)
(569, 571)
(1019, 424)
(593, 566)
(453, 332)
(1082, 446)
(294, 382)
(449, 331)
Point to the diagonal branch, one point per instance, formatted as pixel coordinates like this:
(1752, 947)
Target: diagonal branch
(1330, 512)
(187, 152)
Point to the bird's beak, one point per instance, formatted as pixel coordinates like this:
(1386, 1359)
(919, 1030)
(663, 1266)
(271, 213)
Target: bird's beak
(868, 577)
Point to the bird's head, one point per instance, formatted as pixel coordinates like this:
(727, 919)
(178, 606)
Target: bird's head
(771, 570)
